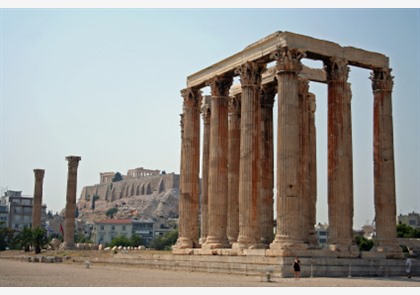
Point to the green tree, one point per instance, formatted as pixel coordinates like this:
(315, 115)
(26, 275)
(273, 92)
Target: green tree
(110, 212)
(25, 238)
(403, 230)
(120, 241)
(117, 177)
(164, 242)
(7, 237)
(40, 239)
(136, 240)
(363, 243)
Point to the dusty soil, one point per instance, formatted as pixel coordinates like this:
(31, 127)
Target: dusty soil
(15, 271)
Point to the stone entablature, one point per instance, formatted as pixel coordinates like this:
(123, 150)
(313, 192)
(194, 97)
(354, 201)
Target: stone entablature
(141, 172)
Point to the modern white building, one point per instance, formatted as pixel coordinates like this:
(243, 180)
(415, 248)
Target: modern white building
(106, 230)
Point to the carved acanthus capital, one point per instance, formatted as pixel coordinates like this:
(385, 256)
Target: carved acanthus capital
(337, 69)
(250, 73)
(267, 94)
(192, 97)
(235, 104)
(73, 162)
(288, 60)
(382, 79)
(220, 85)
(39, 174)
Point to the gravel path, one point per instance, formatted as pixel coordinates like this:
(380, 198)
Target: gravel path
(17, 273)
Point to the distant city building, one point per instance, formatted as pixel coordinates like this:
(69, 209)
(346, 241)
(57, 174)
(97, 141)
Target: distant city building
(20, 210)
(106, 230)
(411, 219)
(53, 224)
(144, 229)
(322, 233)
(4, 215)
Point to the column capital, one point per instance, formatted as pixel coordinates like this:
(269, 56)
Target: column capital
(250, 73)
(73, 161)
(382, 79)
(39, 174)
(235, 104)
(192, 97)
(288, 60)
(337, 69)
(267, 94)
(220, 85)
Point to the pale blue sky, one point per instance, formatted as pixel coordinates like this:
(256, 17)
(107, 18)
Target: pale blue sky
(104, 84)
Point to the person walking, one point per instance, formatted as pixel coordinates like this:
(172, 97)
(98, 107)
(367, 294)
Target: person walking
(296, 268)
(408, 267)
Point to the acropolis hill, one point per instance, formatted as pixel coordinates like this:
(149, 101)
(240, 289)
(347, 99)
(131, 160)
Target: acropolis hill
(142, 193)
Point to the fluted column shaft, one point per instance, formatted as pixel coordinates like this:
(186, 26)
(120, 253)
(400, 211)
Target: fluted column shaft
(206, 114)
(218, 170)
(73, 163)
(268, 93)
(383, 161)
(37, 202)
(234, 126)
(249, 170)
(190, 165)
(291, 226)
(340, 159)
(312, 170)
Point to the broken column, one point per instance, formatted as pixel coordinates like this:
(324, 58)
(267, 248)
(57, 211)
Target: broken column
(37, 202)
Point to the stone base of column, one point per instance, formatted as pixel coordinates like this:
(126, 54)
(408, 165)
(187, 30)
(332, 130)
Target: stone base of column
(286, 243)
(243, 246)
(183, 243)
(215, 243)
(345, 251)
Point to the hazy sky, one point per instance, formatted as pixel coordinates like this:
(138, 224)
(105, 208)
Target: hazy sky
(104, 84)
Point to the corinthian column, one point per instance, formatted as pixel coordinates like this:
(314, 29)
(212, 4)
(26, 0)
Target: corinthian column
(291, 225)
(206, 113)
(340, 158)
(37, 205)
(190, 165)
(73, 163)
(249, 167)
(234, 141)
(218, 170)
(268, 92)
(383, 162)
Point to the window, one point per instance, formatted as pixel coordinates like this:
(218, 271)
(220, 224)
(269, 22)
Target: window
(123, 227)
(112, 227)
(102, 227)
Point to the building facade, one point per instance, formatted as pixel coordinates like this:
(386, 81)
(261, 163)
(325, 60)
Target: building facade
(106, 230)
(411, 219)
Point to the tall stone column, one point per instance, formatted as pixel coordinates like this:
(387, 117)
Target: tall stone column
(303, 87)
(73, 163)
(249, 167)
(291, 225)
(312, 239)
(267, 94)
(383, 161)
(190, 165)
(340, 158)
(206, 114)
(37, 205)
(218, 173)
(234, 142)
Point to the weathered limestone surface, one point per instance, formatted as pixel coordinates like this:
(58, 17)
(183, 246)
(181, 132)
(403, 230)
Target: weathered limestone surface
(37, 203)
(73, 163)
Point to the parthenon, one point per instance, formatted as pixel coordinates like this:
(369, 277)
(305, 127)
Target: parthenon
(232, 209)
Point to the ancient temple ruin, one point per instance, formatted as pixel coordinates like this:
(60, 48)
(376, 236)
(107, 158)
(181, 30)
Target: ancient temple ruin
(234, 213)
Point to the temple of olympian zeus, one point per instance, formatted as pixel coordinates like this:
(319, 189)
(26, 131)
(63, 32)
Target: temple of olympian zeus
(231, 211)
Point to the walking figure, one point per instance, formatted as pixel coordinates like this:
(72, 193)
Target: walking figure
(296, 268)
(408, 267)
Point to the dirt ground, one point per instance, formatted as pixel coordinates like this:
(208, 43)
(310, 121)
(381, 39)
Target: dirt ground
(20, 273)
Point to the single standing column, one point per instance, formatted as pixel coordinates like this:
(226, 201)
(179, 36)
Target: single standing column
(291, 226)
(73, 163)
(206, 113)
(249, 167)
(313, 240)
(234, 126)
(190, 166)
(303, 87)
(383, 161)
(37, 205)
(218, 173)
(268, 92)
(340, 158)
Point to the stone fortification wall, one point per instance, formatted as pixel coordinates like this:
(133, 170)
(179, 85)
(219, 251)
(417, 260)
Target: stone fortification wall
(131, 187)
